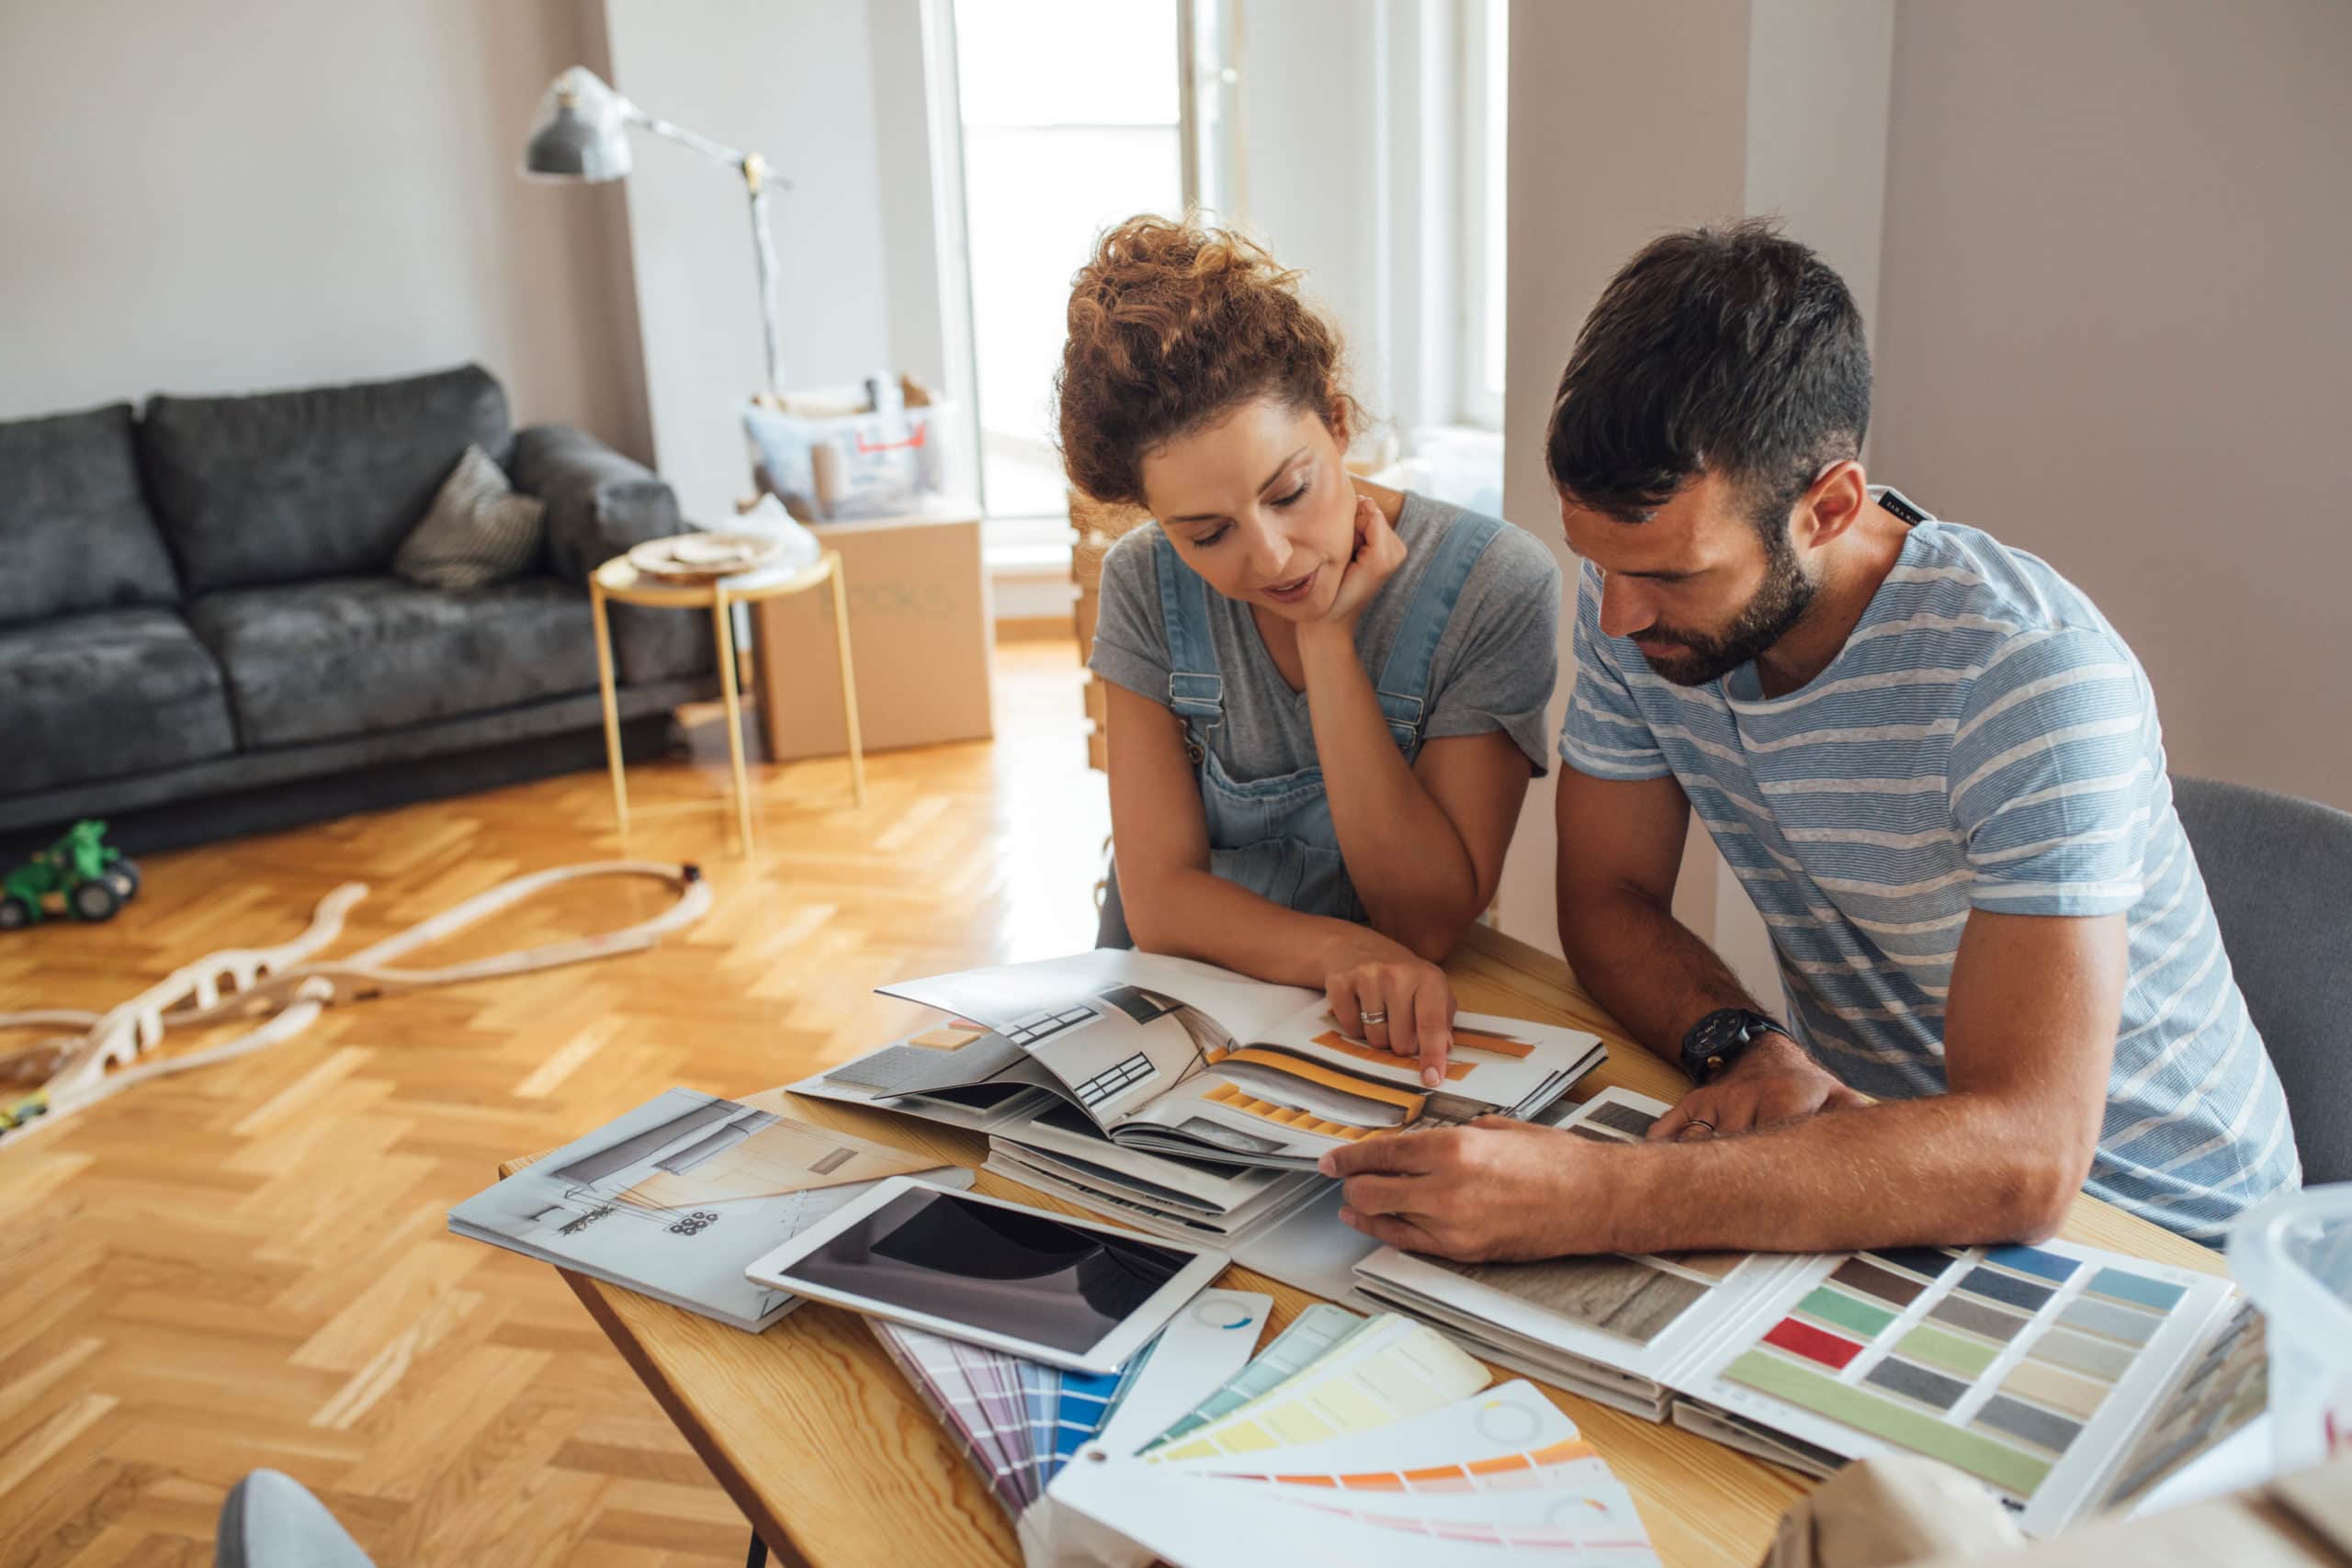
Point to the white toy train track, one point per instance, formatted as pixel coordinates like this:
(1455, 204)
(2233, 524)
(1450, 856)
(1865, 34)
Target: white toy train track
(287, 992)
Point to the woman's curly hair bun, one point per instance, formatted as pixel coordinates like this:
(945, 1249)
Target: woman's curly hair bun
(1171, 325)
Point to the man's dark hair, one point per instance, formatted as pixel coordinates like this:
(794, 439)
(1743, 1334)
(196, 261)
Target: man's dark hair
(1729, 348)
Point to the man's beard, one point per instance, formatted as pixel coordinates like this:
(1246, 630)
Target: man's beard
(1778, 604)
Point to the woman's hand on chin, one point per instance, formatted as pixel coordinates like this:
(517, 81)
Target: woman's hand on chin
(1387, 994)
(1378, 552)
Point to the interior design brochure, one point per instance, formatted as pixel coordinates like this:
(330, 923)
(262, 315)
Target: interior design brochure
(1174, 1056)
(2064, 1378)
(674, 1198)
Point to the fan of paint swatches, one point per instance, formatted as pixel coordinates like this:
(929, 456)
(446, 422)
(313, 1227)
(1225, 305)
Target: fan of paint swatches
(1490, 1480)
(1391, 1368)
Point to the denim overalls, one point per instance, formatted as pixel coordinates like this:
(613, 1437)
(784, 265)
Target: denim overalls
(1274, 836)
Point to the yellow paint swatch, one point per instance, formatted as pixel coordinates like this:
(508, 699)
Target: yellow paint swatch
(2060, 1390)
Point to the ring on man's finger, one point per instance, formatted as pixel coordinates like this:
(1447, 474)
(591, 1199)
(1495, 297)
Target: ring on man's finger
(1374, 1016)
(1700, 1122)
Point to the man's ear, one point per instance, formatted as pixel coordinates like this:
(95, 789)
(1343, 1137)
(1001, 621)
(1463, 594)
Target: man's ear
(1834, 502)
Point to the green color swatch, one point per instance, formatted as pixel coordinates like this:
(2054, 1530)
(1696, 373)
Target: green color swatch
(1948, 1351)
(1996, 1462)
(1845, 1310)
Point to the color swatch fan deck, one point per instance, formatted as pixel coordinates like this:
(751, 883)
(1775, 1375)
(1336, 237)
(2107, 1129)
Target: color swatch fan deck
(1348, 1439)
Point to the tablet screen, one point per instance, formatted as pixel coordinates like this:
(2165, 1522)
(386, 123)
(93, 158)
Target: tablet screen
(1006, 1271)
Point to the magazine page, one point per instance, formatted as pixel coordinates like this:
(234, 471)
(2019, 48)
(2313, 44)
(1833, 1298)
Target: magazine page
(1649, 1316)
(1025, 1000)
(1117, 1027)
(1497, 1064)
(676, 1197)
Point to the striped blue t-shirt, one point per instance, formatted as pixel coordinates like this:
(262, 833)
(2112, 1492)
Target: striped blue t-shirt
(1984, 741)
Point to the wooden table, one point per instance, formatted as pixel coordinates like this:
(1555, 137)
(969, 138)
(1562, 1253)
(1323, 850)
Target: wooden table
(834, 1460)
(618, 579)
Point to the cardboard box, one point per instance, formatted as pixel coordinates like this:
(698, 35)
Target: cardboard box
(920, 628)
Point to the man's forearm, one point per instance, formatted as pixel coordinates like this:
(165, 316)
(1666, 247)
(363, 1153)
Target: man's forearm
(1652, 972)
(1950, 1169)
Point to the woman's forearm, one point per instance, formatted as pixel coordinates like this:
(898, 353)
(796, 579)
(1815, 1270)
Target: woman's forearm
(1190, 913)
(1408, 863)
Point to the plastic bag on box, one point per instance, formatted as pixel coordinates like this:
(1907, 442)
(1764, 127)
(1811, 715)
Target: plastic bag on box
(873, 462)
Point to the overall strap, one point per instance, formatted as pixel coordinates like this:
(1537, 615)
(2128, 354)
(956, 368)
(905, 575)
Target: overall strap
(1403, 685)
(1196, 690)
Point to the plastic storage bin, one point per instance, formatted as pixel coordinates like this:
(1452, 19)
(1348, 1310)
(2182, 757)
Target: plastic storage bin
(2293, 1254)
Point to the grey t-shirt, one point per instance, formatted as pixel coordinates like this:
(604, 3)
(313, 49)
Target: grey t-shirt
(1494, 669)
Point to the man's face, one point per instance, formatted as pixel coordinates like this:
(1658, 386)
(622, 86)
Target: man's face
(1697, 588)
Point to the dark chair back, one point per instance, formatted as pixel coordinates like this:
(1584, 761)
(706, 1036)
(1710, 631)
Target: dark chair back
(2279, 871)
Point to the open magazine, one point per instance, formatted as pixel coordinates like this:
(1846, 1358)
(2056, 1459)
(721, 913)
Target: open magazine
(1175, 1057)
(2067, 1379)
(674, 1198)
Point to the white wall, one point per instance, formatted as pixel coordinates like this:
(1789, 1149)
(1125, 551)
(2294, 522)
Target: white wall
(1604, 156)
(2116, 331)
(791, 80)
(247, 195)
(1309, 90)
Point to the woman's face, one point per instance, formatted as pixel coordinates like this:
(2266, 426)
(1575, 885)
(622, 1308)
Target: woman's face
(1258, 504)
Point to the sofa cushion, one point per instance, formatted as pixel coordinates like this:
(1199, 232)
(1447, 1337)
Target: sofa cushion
(346, 654)
(99, 695)
(289, 486)
(74, 531)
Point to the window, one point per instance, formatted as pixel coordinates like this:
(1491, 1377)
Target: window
(1069, 118)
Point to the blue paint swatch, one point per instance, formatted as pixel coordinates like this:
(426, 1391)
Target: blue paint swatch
(2007, 1289)
(1085, 1406)
(2032, 1261)
(2154, 1294)
(1928, 1261)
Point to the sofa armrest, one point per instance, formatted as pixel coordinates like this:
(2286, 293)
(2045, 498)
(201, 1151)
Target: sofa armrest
(599, 504)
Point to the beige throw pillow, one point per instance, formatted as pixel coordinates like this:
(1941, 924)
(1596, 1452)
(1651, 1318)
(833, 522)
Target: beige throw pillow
(477, 531)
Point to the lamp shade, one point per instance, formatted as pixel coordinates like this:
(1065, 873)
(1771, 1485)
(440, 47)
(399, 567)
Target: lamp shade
(581, 132)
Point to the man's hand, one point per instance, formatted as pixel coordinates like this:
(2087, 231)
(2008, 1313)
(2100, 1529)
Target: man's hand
(1384, 994)
(1774, 1080)
(1379, 551)
(1491, 1191)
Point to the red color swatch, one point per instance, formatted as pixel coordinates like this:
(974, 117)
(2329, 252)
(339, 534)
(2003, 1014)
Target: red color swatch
(1813, 1343)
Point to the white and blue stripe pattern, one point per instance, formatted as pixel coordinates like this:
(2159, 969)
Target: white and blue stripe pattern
(1984, 741)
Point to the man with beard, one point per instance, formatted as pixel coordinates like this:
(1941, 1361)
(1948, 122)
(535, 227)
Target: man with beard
(1936, 768)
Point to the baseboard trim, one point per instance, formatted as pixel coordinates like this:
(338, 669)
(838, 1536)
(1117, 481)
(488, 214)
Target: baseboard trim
(1035, 629)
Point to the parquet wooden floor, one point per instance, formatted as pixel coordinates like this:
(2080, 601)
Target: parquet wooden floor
(247, 1265)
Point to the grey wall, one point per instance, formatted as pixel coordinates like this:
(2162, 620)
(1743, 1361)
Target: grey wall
(1604, 156)
(250, 194)
(792, 80)
(2115, 330)
(2102, 248)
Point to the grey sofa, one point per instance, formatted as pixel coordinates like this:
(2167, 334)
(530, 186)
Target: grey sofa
(199, 634)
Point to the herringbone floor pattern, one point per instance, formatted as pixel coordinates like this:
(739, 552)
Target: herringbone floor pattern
(247, 1265)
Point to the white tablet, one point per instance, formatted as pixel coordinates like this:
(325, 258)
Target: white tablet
(1065, 1291)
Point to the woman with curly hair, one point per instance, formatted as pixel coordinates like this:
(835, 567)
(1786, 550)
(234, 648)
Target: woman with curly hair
(1326, 697)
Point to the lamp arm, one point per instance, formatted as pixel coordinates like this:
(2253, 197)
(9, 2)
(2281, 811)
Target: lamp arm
(718, 151)
(758, 182)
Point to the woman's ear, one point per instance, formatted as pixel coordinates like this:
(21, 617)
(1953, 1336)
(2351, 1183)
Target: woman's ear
(1337, 420)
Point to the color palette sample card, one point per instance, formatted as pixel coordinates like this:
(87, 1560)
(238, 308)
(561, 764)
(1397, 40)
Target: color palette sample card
(1379, 1466)
(2063, 1378)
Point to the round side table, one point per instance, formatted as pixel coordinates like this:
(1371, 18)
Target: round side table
(618, 580)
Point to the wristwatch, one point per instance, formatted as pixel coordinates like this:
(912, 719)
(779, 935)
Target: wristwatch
(1718, 1040)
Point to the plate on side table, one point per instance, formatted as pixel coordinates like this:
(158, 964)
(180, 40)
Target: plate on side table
(705, 557)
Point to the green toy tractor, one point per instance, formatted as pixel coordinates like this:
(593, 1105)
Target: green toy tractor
(80, 870)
